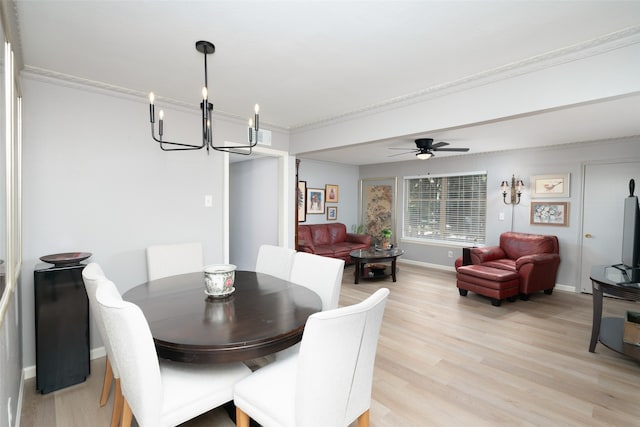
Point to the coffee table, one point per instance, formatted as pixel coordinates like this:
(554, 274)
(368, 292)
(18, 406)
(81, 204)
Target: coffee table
(362, 257)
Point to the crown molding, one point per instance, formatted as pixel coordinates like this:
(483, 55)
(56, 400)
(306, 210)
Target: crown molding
(75, 82)
(612, 41)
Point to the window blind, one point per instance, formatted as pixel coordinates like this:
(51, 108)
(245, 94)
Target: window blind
(448, 208)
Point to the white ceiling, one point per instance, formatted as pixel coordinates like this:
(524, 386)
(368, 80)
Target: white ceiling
(309, 61)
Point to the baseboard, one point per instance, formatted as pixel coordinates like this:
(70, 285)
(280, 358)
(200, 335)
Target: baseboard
(559, 287)
(30, 371)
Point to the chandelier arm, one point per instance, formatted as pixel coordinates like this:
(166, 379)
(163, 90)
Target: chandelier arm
(185, 146)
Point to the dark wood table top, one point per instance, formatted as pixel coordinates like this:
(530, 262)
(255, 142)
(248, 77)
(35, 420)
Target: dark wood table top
(264, 315)
(373, 254)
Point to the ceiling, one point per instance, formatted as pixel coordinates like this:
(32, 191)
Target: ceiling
(306, 62)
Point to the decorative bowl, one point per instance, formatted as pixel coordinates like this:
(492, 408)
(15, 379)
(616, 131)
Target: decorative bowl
(219, 279)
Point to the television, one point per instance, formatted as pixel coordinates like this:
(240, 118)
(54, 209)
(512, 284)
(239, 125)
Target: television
(631, 230)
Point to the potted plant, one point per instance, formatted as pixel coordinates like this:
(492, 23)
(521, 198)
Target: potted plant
(385, 233)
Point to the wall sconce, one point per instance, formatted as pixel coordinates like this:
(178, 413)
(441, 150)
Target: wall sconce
(516, 191)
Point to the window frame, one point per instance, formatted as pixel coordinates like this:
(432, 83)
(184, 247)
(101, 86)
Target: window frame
(477, 240)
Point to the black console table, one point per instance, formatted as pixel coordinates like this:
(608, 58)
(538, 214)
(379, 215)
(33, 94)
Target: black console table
(620, 282)
(62, 327)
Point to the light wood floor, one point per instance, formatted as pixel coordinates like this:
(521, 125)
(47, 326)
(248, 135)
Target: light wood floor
(446, 360)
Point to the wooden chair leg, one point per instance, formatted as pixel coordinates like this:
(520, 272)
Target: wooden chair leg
(242, 419)
(106, 384)
(363, 419)
(118, 402)
(126, 414)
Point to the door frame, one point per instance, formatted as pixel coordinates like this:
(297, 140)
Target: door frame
(286, 164)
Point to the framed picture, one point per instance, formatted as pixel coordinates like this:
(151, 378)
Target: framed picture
(550, 213)
(302, 201)
(331, 191)
(315, 201)
(332, 213)
(554, 185)
(378, 205)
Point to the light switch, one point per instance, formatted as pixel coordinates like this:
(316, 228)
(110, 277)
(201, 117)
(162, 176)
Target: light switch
(208, 201)
(501, 216)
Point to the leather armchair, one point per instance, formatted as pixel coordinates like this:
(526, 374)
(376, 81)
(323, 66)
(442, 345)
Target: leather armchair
(535, 257)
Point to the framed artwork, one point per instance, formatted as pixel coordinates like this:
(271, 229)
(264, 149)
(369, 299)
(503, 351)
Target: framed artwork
(554, 185)
(315, 201)
(378, 205)
(332, 213)
(550, 213)
(331, 191)
(302, 201)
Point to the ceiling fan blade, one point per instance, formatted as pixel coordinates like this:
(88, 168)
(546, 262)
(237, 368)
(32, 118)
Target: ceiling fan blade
(451, 149)
(408, 150)
(439, 144)
(400, 154)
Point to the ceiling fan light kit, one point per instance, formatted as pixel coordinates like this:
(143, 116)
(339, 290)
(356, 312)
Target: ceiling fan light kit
(206, 48)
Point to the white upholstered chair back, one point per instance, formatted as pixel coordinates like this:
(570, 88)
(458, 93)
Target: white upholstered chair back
(169, 260)
(335, 367)
(328, 382)
(135, 355)
(275, 260)
(92, 276)
(322, 275)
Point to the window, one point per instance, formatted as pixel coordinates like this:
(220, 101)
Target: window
(451, 208)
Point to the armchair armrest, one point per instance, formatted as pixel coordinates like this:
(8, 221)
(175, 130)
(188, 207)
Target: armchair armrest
(487, 253)
(537, 259)
(306, 246)
(359, 238)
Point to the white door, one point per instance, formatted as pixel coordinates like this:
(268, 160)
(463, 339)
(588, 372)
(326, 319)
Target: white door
(605, 188)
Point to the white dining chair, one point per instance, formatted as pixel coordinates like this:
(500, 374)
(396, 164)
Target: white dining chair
(169, 260)
(92, 276)
(328, 383)
(275, 260)
(158, 393)
(323, 275)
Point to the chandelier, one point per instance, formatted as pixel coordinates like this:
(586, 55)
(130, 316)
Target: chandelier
(205, 48)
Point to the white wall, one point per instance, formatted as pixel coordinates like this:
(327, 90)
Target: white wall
(501, 166)
(318, 174)
(95, 181)
(253, 199)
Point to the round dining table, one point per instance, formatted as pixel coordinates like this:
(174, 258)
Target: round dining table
(262, 316)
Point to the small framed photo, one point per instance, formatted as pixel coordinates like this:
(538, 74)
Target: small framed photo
(332, 213)
(315, 201)
(554, 185)
(302, 201)
(331, 193)
(550, 213)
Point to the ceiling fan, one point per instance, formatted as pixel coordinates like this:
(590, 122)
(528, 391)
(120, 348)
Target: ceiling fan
(425, 148)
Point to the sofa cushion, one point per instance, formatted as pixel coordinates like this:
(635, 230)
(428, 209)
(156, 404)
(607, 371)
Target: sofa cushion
(320, 234)
(337, 232)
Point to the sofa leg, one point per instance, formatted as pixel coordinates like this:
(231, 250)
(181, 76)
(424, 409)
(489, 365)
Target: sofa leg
(512, 299)
(495, 302)
(524, 297)
(463, 292)
(548, 291)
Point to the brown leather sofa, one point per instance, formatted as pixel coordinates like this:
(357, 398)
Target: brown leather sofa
(330, 240)
(529, 261)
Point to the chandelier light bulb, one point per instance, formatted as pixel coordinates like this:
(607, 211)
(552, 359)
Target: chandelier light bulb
(204, 92)
(161, 114)
(257, 108)
(152, 97)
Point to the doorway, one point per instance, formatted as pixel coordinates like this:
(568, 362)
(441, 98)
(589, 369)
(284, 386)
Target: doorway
(606, 185)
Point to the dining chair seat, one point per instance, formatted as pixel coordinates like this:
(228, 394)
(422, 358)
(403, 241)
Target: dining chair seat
(328, 382)
(275, 260)
(173, 259)
(159, 393)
